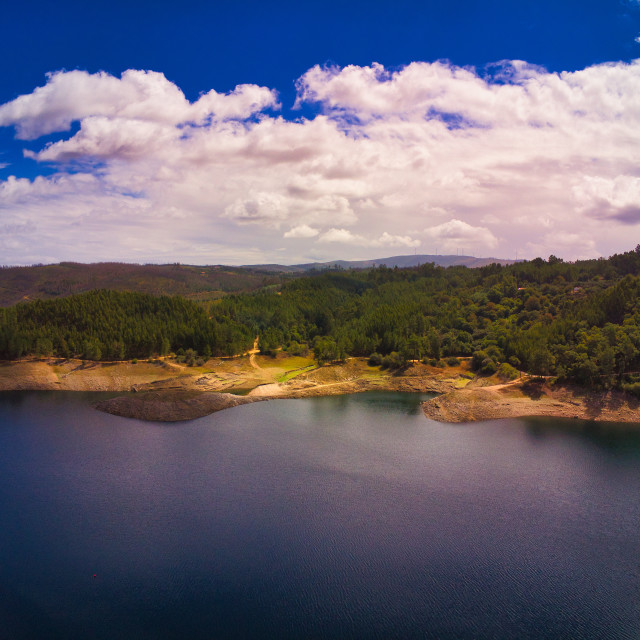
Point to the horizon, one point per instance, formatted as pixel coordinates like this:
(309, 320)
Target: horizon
(325, 262)
(214, 134)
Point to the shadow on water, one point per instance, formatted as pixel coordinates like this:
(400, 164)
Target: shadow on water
(613, 437)
(12, 398)
(381, 401)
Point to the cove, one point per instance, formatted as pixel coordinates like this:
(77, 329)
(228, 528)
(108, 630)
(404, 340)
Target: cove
(333, 517)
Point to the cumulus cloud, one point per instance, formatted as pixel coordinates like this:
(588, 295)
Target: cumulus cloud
(272, 209)
(302, 231)
(145, 96)
(494, 160)
(388, 240)
(344, 236)
(455, 234)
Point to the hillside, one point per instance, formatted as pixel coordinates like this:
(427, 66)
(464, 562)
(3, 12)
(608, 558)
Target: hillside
(19, 284)
(43, 282)
(577, 321)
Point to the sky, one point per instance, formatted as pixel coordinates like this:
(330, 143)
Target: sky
(288, 132)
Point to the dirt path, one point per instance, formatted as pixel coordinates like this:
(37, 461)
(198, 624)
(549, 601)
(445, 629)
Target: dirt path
(504, 385)
(252, 355)
(277, 389)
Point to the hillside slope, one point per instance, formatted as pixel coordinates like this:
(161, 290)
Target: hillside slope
(19, 284)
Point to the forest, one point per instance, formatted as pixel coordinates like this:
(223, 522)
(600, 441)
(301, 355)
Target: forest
(578, 321)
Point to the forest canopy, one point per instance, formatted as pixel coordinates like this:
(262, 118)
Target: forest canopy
(578, 321)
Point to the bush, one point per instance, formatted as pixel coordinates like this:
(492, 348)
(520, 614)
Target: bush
(453, 362)
(495, 353)
(297, 349)
(375, 360)
(134, 361)
(488, 366)
(326, 350)
(633, 388)
(393, 361)
(477, 359)
(507, 372)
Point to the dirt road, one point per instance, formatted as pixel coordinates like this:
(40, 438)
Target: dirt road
(252, 355)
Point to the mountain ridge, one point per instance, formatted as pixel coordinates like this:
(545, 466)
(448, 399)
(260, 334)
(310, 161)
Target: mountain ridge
(401, 261)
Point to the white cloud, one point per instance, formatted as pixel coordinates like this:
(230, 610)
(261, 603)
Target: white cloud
(344, 236)
(302, 231)
(514, 158)
(148, 96)
(457, 235)
(389, 240)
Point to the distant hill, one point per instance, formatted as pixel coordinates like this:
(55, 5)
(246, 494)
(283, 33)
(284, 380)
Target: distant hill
(19, 284)
(393, 261)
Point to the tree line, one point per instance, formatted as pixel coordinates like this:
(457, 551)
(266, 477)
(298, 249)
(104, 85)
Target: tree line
(577, 321)
(116, 325)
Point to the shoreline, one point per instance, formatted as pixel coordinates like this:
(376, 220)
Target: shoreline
(162, 390)
(174, 405)
(528, 399)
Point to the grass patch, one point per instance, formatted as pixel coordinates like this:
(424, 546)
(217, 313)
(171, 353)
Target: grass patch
(286, 363)
(375, 372)
(289, 375)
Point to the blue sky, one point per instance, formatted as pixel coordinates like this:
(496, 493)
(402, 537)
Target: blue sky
(357, 169)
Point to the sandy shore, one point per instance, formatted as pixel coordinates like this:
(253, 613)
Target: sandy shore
(522, 399)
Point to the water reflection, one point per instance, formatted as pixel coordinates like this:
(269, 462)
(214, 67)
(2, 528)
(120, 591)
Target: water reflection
(372, 401)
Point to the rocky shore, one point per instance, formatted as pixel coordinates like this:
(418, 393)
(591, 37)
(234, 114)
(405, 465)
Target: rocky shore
(530, 398)
(170, 405)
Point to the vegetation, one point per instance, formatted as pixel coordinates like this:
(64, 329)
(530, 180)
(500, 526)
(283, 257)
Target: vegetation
(69, 278)
(577, 321)
(114, 325)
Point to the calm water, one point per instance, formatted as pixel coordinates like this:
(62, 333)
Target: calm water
(340, 517)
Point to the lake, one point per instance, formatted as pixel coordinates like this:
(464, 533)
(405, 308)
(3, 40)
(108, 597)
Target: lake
(336, 517)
